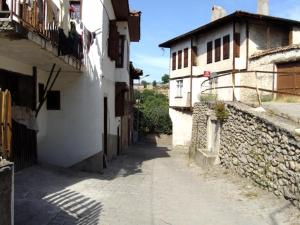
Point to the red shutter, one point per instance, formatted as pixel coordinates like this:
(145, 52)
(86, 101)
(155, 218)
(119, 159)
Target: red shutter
(209, 52)
(179, 59)
(226, 47)
(186, 57)
(217, 50)
(174, 61)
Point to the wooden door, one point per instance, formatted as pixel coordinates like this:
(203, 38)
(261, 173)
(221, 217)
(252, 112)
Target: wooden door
(288, 79)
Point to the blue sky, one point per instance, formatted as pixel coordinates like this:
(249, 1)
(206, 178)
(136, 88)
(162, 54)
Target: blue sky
(165, 19)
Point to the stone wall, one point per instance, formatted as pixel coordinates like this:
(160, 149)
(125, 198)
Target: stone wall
(255, 145)
(6, 193)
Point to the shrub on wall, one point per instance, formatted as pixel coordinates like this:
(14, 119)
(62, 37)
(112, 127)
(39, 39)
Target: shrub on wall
(221, 112)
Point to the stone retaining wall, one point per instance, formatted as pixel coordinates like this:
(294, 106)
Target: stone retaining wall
(255, 145)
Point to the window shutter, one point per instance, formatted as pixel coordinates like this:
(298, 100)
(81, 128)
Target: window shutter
(217, 50)
(174, 61)
(186, 57)
(226, 47)
(209, 52)
(194, 55)
(237, 44)
(179, 59)
(120, 59)
(113, 40)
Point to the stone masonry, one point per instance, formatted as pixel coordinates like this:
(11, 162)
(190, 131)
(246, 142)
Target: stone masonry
(255, 145)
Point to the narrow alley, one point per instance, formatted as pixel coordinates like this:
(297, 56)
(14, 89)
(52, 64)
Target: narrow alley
(149, 185)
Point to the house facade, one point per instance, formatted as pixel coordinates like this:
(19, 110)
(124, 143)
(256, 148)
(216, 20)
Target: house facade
(71, 61)
(228, 58)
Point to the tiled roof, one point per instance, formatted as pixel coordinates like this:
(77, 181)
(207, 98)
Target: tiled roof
(274, 50)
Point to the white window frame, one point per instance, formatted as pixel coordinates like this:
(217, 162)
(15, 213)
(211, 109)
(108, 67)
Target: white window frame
(179, 88)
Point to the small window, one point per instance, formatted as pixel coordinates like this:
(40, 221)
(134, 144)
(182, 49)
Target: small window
(180, 59)
(53, 100)
(237, 44)
(120, 59)
(186, 58)
(218, 50)
(209, 52)
(75, 10)
(41, 92)
(226, 47)
(174, 61)
(179, 85)
(194, 55)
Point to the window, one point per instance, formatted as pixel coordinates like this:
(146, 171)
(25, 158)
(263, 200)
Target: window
(41, 92)
(179, 85)
(186, 58)
(113, 43)
(75, 10)
(237, 44)
(174, 61)
(179, 59)
(53, 100)
(120, 59)
(209, 52)
(218, 50)
(194, 55)
(226, 47)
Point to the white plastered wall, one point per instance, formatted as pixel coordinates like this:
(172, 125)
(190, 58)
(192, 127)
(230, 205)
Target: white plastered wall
(74, 133)
(182, 127)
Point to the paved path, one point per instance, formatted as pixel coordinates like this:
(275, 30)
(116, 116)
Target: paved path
(150, 185)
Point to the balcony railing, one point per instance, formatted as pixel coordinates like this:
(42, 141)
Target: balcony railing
(35, 17)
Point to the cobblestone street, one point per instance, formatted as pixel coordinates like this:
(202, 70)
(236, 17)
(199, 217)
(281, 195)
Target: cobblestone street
(149, 185)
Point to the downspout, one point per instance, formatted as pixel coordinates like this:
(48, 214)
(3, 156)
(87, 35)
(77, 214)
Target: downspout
(247, 45)
(233, 64)
(191, 83)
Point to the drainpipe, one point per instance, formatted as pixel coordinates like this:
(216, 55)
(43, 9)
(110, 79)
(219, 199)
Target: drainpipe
(233, 64)
(191, 83)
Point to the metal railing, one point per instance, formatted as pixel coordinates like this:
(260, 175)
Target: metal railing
(255, 81)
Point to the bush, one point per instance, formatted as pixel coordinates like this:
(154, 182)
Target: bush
(221, 112)
(153, 113)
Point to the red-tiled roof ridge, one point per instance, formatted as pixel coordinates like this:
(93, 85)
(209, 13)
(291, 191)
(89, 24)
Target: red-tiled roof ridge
(274, 50)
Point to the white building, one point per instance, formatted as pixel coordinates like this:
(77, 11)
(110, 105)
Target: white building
(231, 47)
(84, 120)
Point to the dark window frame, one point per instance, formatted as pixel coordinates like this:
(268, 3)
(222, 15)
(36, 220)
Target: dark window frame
(179, 59)
(194, 55)
(53, 100)
(209, 48)
(226, 47)
(218, 50)
(121, 48)
(174, 64)
(186, 57)
(237, 45)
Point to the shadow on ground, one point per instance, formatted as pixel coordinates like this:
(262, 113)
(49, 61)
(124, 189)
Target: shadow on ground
(44, 196)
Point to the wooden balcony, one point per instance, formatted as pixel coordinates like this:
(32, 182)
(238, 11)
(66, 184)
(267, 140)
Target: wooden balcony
(23, 18)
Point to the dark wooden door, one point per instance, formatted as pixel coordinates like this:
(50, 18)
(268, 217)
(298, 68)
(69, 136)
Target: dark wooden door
(288, 79)
(105, 126)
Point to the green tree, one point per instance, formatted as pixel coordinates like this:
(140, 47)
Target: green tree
(154, 84)
(153, 113)
(165, 79)
(144, 83)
